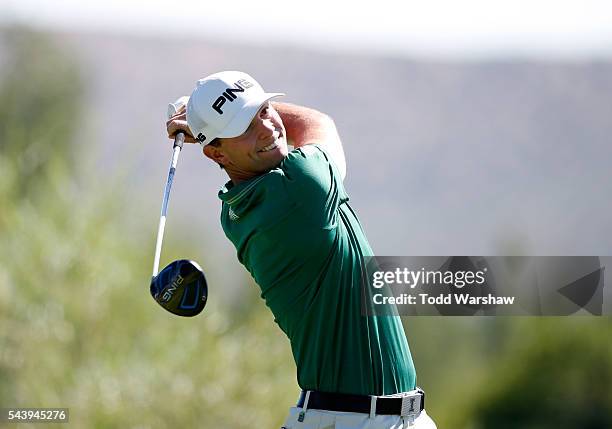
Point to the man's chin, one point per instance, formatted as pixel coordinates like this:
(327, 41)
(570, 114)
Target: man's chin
(276, 156)
(282, 150)
(282, 155)
(282, 144)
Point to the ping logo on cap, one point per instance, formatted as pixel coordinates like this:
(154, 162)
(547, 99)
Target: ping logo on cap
(229, 94)
(201, 137)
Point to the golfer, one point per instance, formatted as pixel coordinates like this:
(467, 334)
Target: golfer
(288, 215)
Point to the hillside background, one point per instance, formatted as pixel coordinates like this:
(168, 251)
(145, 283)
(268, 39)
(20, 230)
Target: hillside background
(444, 158)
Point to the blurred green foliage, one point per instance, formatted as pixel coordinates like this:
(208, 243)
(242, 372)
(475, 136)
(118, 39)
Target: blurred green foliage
(511, 372)
(78, 328)
(40, 100)
(558, 375)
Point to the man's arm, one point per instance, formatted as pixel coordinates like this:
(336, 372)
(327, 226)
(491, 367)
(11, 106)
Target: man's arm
(306, 126)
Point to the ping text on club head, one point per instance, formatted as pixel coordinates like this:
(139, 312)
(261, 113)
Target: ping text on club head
(167, 296)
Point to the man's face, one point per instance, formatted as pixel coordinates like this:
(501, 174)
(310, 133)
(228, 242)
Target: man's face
(258, 150)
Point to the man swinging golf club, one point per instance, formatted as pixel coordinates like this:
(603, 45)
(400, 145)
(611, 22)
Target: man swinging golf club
(288, 216)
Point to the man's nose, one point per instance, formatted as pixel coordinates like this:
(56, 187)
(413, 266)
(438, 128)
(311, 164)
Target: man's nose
(265, 129)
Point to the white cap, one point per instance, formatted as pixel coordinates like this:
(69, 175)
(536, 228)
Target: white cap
(224, 104)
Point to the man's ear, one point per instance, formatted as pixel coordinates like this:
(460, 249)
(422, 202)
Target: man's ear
(215, 153)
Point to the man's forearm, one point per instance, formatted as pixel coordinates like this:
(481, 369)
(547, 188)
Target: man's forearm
(308, 126)
(304, 125)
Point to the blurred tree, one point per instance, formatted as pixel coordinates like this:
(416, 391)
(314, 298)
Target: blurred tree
(41, 100)
(556, 372)
(77, 326)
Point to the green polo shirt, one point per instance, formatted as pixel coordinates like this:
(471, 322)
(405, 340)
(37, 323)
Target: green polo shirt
(296, 234)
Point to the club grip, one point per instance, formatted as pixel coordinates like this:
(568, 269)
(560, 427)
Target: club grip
(179, 139)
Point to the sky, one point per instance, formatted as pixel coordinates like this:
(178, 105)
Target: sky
(434, 28)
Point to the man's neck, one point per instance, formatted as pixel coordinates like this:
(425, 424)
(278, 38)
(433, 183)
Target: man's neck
(239, 177)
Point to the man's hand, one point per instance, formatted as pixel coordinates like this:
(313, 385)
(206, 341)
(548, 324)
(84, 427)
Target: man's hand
(177, 123)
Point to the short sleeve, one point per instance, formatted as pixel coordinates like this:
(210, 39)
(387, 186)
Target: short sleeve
(313, 182)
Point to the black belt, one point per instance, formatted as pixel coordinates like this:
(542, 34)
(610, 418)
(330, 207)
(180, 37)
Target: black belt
(413, 403)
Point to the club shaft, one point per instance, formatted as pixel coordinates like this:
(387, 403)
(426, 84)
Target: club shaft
(178, 144)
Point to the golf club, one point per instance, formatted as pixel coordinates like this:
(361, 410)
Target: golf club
(181, 286)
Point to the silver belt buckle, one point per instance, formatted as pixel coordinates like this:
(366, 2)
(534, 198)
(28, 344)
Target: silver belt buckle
(411, 405)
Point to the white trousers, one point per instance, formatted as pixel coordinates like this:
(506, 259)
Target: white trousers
(318, 419)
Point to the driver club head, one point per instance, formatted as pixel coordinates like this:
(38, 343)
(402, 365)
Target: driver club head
(180, 288)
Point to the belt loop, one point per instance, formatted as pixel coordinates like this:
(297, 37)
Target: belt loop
(306, 400)
(372, 406)
(408, 422)
(305, 407)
